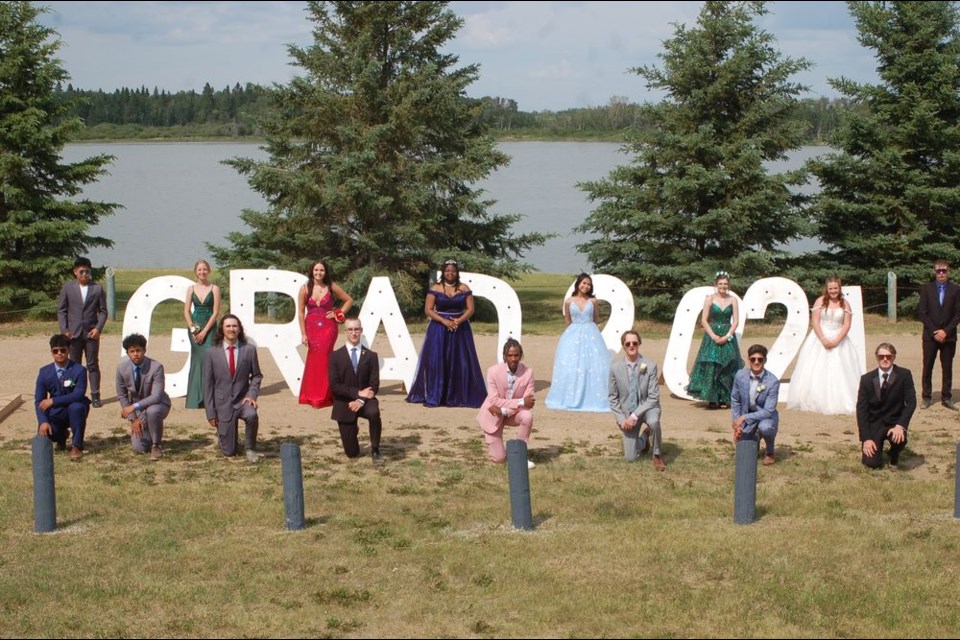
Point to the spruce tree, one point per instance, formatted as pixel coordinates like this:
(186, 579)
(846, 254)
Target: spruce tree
(44, 223)
(890, 196)
(373, 156)
(697, 197)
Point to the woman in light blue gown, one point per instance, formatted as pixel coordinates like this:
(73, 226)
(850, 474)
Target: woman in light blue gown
(582, 363)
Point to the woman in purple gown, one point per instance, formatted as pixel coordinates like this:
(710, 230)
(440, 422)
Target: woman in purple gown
(448, 372)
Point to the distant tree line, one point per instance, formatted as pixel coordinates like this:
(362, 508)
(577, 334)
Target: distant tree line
(235, 112)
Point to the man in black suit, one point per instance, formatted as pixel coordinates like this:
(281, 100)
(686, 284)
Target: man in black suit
(885, 403)
(940, 314)
(82, 312)
(355, 380)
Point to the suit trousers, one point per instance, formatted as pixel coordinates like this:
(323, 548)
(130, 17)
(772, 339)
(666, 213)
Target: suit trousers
(80, 346)
(72, 417)
(151, 419)
(227, 430)
(930, 350)
(522, 420)
(765, 429)
(876, 460)
(349, 431)
(634, 440)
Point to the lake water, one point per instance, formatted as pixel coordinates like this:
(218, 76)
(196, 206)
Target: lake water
(177, 196)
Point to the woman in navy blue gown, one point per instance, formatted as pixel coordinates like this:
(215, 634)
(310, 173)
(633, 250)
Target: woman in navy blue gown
(448, 372)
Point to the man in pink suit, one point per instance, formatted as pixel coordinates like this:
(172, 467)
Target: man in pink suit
(509, 401)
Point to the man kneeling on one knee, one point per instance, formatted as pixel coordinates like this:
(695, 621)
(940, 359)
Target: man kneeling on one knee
(753, 403)
(141, 391)
(634, 394)
(509, 401)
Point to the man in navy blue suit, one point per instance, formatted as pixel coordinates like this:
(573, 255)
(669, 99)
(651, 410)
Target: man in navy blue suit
(61, 398)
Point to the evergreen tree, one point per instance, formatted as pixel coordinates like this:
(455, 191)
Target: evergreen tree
(373, 156)
(696, 197)
(42, 227)
(890, 196)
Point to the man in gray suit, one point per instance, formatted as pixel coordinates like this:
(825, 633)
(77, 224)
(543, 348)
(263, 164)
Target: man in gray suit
(143, 398)
(82, 312)
(231, 385)
(634, 395)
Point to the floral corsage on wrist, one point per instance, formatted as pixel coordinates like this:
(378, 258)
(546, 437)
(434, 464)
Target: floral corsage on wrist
(643, 367)
(338, 316)
(194, 329)
(68, 383)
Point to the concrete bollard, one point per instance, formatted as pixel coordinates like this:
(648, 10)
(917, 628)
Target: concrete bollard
(745, 482)
(111, 294)
(519, 474)
(891, 296)
(44, 495)
(292, 485)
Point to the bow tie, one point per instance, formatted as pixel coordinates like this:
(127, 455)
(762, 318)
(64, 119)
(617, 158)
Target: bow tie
(757, 378)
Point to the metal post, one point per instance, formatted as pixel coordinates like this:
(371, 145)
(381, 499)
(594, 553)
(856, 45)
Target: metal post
(272, 301)
(745, 482)
(519, 474)
(891, 296)
(111, 294)
(292, 485)
(44, 495)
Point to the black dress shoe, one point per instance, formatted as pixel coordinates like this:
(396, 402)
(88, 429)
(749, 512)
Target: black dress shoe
(377, 458)
(927, 403)
(948, 403)
(96, 401)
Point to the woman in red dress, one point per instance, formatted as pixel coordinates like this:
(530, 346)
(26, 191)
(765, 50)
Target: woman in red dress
(319, 327)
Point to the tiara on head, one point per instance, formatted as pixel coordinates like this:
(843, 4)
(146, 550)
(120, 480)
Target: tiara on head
(721, 274)
(453, 262)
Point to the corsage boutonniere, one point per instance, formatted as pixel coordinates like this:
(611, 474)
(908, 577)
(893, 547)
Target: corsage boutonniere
(761, 388)
(67, 383)
(643, 367)
(195, 329)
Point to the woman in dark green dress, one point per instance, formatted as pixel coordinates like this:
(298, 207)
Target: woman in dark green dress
(719, 358)
(200, 310)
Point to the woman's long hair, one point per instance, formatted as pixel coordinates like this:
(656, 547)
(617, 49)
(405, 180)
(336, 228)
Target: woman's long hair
(327, 280)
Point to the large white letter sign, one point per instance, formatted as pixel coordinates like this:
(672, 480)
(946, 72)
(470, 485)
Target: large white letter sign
(685, 322)
(139, 312)
(762, 294)
(380, 305)
(856, 335)
(615, 292)
(504, 298)
(280, 339)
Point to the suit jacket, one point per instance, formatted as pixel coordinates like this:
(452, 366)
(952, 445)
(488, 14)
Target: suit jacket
(648, 388)
(152, 385)
(876, 415)
(498, 396)
(65, 394)
(935, 316)
(223, 395)
(346, 385)
(77, 316)
(766, 399)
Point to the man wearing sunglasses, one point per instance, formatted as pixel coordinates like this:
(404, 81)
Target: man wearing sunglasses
(940, 313)
(82, 312)
(61, 400)
(886, 401)
(634, 395)
(753, 402)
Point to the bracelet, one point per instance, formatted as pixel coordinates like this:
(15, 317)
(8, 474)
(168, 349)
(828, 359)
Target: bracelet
(338, 316)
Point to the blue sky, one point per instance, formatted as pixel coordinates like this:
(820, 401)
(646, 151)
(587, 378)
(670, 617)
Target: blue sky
(544, 55)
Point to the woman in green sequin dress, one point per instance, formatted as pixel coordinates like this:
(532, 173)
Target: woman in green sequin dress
(200, 310)
(719, 358)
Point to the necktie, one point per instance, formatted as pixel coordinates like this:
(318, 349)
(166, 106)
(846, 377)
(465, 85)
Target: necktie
(633, 399)
(511, 381)
(883, 385)
(60, 376)
(940, 289)
(354, 359)
(233, 363)
(136, 378)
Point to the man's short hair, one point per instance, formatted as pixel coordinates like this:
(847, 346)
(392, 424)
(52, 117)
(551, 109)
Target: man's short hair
(629, 332)
(134, 340)
(757, 348)
(941, 263)
(82, 261)
(349, 320)
(510, 344)
(59, 340)
(885, 345)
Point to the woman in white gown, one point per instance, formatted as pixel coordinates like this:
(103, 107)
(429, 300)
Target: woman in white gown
(828, 370)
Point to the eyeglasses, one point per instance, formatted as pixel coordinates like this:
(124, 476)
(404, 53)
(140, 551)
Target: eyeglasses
(631, 344)
(354, 329)
(83, 271)
(885, 356)
(757, 359)
(941, 270)
(58, 350)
